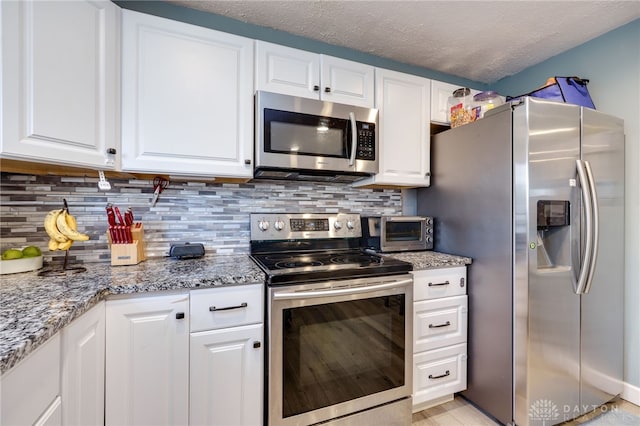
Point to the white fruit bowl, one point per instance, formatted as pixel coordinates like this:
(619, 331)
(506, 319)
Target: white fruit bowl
(23, 264)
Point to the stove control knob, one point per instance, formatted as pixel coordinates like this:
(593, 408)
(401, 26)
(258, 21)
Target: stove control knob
(263, 225)
(337, 225)
(278, 225)
(350, 224)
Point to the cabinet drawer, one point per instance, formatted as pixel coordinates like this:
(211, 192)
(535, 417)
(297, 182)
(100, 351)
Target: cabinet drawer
(226, 307)
(439, 322)
(439, 372)
(436, 283)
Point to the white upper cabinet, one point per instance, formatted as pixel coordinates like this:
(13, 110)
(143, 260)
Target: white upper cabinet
(440, 94)
(295, 72)
(60, 82)
(187, 100)
(403, 101)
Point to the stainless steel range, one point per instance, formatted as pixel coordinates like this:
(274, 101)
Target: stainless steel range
(338, 334)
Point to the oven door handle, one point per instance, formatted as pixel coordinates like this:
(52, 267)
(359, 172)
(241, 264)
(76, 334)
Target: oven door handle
(282, 295)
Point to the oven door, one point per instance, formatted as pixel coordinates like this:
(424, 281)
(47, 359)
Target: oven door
(338, 347)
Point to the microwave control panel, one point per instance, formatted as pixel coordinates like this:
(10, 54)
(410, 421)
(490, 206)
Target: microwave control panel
(366, 144)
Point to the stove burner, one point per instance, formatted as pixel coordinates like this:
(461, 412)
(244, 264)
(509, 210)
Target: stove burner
(297, 264)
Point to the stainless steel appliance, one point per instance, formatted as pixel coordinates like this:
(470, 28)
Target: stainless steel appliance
(534, 193)
(307, 139)
(339, 329)
(397, 233)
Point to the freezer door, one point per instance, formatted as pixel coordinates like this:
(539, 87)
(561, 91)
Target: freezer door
(547, 311)
(602, 306)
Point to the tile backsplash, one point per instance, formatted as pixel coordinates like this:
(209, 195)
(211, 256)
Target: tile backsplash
(215, 214)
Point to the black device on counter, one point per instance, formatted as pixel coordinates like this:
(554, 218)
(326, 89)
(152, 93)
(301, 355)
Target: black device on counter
(186, 250)
(397, 233)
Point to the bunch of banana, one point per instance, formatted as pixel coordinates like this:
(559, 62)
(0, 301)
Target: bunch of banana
(62, 229)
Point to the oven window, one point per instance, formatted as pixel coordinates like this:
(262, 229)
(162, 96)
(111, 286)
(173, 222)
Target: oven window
(340, 351)
(402, 231)
(304, 134)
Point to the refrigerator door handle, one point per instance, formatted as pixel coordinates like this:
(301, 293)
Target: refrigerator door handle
(588, 216)
(595, 233)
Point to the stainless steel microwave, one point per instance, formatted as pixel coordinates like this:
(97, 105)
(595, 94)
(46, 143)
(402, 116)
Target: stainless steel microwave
(397, 233)
(308, 139)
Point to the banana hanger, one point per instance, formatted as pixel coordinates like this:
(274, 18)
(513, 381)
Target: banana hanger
(65, 264)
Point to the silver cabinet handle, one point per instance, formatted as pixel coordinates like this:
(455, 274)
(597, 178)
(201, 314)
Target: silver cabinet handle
(432, 377)
(228, 308)
(446, 324)
(588, 215)
(595, 231)
(438, 284)
(354, 138)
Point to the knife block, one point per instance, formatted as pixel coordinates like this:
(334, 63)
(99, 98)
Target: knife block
(129, 254)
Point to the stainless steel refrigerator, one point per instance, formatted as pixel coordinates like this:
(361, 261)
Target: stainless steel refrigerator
(534, 193)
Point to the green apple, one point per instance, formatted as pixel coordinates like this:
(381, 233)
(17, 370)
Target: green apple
(11, 254)
(31, 251)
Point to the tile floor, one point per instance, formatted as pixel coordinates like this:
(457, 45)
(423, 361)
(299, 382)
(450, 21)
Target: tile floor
(460, 413)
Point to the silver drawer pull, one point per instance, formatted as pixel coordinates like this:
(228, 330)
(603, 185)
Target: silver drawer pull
(438, 284)
(228, 308)
(432, 377)
(446, 324)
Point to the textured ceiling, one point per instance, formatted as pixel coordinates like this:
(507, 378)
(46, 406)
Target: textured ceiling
(479, 40)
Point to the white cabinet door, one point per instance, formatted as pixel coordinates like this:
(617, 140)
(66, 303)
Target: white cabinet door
(347, 82)
(226, 376)
(53, 415)
(296, 72)
(83, 346)
(60, 82)
(440, 93)
(187, 100)
(403, 102)
(29, 390)
(147, 361)
(285, 70)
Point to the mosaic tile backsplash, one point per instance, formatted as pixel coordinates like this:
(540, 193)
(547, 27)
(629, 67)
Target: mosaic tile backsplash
(214, 214)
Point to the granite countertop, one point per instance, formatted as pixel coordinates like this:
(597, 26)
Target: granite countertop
(430, 259)
(34, 308)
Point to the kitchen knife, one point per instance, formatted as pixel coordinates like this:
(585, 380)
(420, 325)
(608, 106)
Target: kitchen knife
(118, 215)
(111, 216)
(128, 217)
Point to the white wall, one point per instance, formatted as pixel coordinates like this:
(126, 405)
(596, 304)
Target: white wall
(612, 64)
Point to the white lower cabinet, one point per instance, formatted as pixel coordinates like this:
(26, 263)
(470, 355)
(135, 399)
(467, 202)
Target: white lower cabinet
(83, 346)
(227, 356)
(226, 376)
(31, 390)
(440, 335)
(147, 361)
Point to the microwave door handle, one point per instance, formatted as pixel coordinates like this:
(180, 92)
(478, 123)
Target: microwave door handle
(354, 138)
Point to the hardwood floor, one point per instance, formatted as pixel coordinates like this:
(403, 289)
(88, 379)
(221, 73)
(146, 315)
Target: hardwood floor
(460, 413)
(453, 413)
